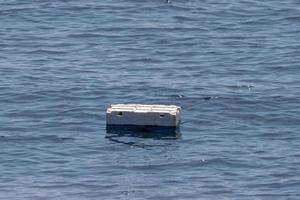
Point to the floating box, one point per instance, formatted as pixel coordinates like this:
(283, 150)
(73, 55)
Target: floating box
(143, 115)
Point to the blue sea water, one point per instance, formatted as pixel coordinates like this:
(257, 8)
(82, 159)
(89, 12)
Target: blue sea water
(233, 67)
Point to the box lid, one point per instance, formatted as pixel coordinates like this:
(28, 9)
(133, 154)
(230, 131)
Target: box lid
(172, 109)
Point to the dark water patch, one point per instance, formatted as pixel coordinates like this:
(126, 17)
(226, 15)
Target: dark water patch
(176, 7)
(293, 18)
(26, 139)
(144, 60)
(184, 19)
(47, 52)
(90, 35)
(144, 131)
(15, 10)
(125, 135)
(210, 98)
(235, 87)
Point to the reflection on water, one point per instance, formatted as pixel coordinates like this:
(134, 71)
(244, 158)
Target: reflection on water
(116, 133)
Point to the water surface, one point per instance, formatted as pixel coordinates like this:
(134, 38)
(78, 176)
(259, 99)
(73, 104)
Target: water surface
(233, 67)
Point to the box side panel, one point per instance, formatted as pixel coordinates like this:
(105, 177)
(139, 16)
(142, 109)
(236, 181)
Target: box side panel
(178, 118)
(136, 118)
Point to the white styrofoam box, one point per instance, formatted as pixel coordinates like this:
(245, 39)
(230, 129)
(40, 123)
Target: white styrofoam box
(144, 115)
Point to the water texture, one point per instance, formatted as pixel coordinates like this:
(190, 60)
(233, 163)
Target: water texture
(233, 66)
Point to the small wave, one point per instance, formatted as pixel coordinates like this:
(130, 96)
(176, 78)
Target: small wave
(43, 138)
(14, 10)
(86, 35)
(145, 60)
(210, 98)
(192, 98)
(293, 18)
(162, 166)
(46, 51)
(241, 86)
